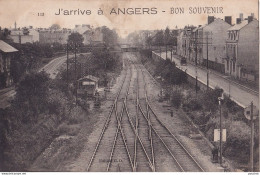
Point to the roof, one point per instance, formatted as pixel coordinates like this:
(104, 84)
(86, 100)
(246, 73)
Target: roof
(239, 26)
(16, 32)
(81, 29)
(4, 47)
(90, 77)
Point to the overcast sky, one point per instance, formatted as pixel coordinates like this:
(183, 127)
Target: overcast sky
(25, 13)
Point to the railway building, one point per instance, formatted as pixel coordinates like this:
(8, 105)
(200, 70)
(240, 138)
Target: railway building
(87, 86)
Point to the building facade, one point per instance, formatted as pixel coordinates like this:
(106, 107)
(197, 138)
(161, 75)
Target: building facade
(90, 35)
(54, 36)
(213, 44)
(205, 44)
(25, 35)
(242, 53)
(6, 54)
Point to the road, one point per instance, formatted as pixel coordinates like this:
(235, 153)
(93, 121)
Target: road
(241, 95)
(51, 68)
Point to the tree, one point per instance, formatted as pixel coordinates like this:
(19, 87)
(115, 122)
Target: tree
(159, 36)
(104, 60)
(26, 31)
(75, 38)
(31, 96)
(149, 40)
(55, 27)
(166, 36)
(4, 35)
(110, 37)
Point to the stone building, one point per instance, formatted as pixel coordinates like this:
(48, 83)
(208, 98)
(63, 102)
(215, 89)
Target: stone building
(242, 53)
(6, 54)
(54, 36)
(24, 35)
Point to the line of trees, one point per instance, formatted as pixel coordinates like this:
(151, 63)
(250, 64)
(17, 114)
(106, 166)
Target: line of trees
(154, 38)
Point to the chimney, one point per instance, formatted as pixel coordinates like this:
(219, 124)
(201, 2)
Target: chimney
(250, 19)
(15, 25)
(210, 19)
(253, 15)
(241, 16)
(238, 20)
(228, 19)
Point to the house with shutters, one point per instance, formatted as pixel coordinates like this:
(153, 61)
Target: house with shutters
(242, 53)
(210, 41)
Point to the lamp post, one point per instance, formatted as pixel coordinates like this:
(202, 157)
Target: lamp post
(220, 127)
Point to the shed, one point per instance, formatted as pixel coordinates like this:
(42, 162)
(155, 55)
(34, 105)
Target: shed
(87, 85)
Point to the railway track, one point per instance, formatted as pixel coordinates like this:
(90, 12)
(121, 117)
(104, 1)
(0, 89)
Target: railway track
(133, 135)
(100, 160)
(182, 157)
(111, 149)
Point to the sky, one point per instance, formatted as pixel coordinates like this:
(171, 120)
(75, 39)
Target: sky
(25, 13)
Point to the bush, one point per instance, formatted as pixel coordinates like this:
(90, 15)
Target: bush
(238, 139)
(176, 99)
(231, 105)
(209, 99)
(201, 119)
(147, 53)
(193, 104)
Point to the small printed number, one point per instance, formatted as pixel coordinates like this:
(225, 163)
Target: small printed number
(40, 14)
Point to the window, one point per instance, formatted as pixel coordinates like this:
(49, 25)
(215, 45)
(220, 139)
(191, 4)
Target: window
(227, 64)
(215, 48)
(234, 66)
(224, 48)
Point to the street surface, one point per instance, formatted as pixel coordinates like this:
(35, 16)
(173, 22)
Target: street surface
(240, 95)
(51, 68)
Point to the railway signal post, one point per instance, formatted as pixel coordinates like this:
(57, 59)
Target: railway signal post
(251, 114)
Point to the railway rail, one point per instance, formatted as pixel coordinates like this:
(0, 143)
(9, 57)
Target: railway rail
(139, 132)
(183, 158)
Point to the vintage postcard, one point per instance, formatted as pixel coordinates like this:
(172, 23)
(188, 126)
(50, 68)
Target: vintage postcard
(129, 86)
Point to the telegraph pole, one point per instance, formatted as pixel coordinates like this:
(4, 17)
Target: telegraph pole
(196, 55)
(171, 54)
(67, 64)
(76, 73)
(166, 51)
(207, 40)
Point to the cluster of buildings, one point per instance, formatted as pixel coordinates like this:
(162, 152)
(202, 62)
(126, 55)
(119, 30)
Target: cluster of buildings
(225, 47)
(48, 35)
